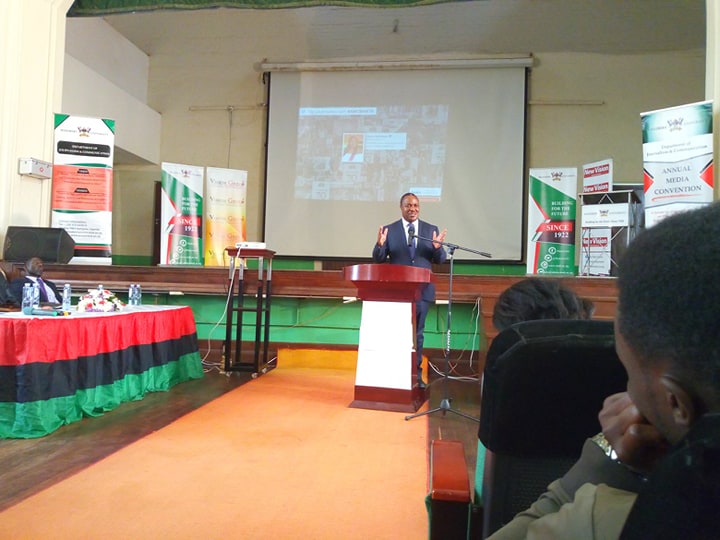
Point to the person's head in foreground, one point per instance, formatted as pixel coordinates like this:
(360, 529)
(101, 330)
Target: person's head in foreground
(667, 332)
(654, 471)
(668, 321)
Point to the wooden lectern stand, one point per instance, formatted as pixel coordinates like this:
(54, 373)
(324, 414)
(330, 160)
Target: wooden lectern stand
(386, 376)
(260, 309)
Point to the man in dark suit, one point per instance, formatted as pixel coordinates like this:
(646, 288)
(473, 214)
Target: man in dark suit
(33, 271)
(396, 244)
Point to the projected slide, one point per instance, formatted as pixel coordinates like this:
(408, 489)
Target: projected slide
(371, 153)
(343, 146)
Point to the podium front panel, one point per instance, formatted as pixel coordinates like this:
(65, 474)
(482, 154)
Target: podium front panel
(385, 349)
(386, 377)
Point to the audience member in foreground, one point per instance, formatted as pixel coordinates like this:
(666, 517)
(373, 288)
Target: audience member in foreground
(656, 472)
(536, 298)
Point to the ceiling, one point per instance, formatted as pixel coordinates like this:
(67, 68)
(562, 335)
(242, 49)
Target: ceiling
(472, 27)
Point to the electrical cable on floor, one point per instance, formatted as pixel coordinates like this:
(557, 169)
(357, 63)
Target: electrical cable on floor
(454, 364)
(217, 365)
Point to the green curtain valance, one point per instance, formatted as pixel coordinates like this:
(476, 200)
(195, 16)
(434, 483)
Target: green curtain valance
(94, 8)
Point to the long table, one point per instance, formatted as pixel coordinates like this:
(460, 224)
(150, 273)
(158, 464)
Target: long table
(56, 370)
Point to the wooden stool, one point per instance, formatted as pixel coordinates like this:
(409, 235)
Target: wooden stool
(449, 499)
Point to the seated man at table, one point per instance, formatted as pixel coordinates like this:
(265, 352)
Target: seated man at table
(49, 293)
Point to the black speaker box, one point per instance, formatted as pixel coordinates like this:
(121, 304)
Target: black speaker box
(50, 244)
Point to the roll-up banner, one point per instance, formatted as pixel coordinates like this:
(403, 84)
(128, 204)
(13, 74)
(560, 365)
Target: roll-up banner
(82, 181)
(598, 176)
(551, 221)
(224, 212)
(677, 159)
(595, 241)
(181, 208)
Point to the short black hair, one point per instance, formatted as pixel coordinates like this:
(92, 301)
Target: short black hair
(408, 194)
(536, 298)
(669, 294)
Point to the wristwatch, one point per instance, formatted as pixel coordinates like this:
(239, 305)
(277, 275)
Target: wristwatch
(605, 446)
(608, 450)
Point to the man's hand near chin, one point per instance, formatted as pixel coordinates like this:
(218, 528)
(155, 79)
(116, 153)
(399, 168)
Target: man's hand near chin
(637, 443)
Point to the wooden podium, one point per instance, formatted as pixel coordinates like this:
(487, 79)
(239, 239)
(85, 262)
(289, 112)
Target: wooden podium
(386, 375)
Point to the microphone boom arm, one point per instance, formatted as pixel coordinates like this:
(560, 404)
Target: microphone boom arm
(453, 247)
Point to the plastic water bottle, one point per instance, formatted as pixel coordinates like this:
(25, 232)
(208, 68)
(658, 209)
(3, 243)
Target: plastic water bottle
(66, 297)
(35, 295)
(138, 295)
(27, 299)
(132, 295)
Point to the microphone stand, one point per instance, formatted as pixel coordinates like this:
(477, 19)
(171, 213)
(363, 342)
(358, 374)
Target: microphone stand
(445, 401)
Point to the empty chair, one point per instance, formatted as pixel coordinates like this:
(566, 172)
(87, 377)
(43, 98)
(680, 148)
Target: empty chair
(543, 386)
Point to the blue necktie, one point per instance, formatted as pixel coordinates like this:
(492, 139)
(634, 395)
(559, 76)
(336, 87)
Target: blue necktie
(411, 240)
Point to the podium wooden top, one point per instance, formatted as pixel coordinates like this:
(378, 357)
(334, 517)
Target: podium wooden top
(385, 272)
(388, 282)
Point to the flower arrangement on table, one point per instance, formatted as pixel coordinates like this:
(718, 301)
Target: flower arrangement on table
(99, 300)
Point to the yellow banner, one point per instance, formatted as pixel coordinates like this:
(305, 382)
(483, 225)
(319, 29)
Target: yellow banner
(225, 213)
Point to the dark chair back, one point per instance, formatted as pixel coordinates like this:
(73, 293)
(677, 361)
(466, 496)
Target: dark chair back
(543, 386)
(4, 293)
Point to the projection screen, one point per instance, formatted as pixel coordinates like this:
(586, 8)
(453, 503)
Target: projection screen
(343, 146)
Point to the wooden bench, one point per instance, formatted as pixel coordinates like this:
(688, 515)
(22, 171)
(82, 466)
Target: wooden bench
(449, 499)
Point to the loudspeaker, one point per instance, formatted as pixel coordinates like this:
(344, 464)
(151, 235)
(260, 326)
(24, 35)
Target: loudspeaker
(50, 244)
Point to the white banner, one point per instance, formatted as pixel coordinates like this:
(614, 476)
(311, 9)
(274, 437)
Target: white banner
(596, 252)
(605, 215)
(598, 176)
(82, 185)
(677, 160)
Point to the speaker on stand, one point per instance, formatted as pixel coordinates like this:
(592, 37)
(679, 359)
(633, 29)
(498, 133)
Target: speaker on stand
(52, 245)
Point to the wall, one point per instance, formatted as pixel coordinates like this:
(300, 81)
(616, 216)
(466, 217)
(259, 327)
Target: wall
(106, 76)
(558, 135)
(133, 220)
(31, 59)
(568, 134)
(113, 57)
(31, 64)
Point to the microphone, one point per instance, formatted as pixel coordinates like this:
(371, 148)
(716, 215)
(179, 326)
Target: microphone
(411, 234)
(29, 310)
